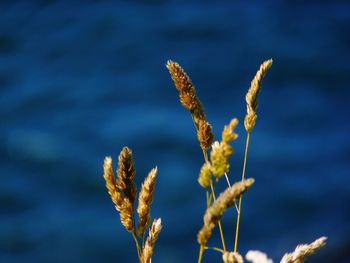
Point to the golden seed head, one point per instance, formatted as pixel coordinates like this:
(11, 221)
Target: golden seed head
(304, 251)
(228, 134)
(179, 76)
(110, 183)
(251, 97)
(145, 200)
(249, 121)
(126, 215)
(214, 213)
(222, 151)
(108, 174)
(122, 190)
(218, 159)
(187, 91)
(205, 134)
(147, 251)
(204, 178)
(232, 257)
(126, 175)
(190, 101)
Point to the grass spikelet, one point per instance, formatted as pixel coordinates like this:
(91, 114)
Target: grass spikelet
(232, 257)
(251, 97)
(222, 151)
(204, 178)
(218, 159)
(205, 134)
(126, 215)
(190, 101)
(181, 80)
(256, 256)
(145, 200)
(110, 183)
(228, 134)
(126, 175)
(217, 209)
(147, 251)
(303, 251)
(122, 204)
(183, 84)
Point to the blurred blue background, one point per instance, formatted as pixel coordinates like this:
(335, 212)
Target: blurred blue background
(81, 79)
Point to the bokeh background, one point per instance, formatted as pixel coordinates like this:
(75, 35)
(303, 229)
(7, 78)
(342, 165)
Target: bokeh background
(81, 79)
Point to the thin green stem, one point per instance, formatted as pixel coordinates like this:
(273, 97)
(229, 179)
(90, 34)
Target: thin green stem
(208, 198)
(229, 185)
(201, 250)
(215, 249)
(227, 180)
(240, 199)
(219, 223)
(209, 201)
(205, 154)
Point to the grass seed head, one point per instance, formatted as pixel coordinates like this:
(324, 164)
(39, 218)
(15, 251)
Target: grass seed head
(232, 257)
(110, 183)
(147, 251)
(228, 134)
(145, 201)
(190, 101)
(304, 251)
(252, 94)
(204, 178)
(126, 175)
(205, 134)
(218, 159)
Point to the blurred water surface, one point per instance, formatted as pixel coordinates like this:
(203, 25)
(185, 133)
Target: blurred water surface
(81, 79)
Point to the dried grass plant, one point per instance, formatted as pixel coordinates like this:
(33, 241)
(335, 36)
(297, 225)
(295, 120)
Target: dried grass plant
(123, 191)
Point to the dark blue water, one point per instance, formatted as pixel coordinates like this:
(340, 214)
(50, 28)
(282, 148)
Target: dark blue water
(80, 80)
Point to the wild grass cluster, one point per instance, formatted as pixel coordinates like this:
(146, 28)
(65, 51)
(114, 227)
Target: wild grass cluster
(134, 207)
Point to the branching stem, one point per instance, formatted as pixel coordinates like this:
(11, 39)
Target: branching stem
(215, 249)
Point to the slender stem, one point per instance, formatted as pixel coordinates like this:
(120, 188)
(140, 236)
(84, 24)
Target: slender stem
(227, 180)
(215, 249)
(208, 198)
(205, 154)
(237, 224)
(229, 184)
(214, 197)
(219, 223)
(137, 246)
(240, 199)
(201, 250)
